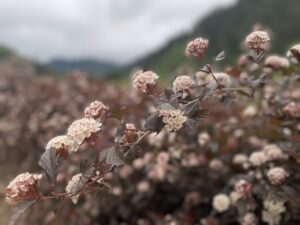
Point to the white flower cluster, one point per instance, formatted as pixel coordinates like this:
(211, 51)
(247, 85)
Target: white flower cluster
(221, 203)
(269, 153)
(183, 83)
(223, 80)
(95, 110)
(243, 60)
(75, 180)
(257, 40)
(144, 81)
(77, 132)
(203, 139)
(234, 197)
(63, 145)
(273, 152)
(163, 158)
(249, 219)
(197, 47)
(292, 109)
(157, 140)
(200, 78)
(83, 128)
(143, 186)
(130, 126)
(216, 165)
(272, 212)
(277, 62)
(172, 118)
(250, 111)
(243, 188)
(159, 170)
(258, 158)
(23, 187)
(240, 159)
(277, 175)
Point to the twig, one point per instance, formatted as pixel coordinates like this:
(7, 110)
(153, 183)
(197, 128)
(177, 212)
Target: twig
(211, 72)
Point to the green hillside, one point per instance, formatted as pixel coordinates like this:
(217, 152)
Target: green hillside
(93, 67)
(5, 52)
(227, 27)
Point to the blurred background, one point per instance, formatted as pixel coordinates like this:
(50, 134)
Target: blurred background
(55, 56)
(107, 38)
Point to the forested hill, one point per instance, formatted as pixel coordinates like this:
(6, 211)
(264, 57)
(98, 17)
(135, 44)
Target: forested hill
(227, 27)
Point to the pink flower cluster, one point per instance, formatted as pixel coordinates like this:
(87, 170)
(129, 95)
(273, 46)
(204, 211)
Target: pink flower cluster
(277, 62)
(144, 81)
(292, 109)
(83, 128)
(257, 41)
(95, 110)
(22, 188)
(197, 47)
(183, 83)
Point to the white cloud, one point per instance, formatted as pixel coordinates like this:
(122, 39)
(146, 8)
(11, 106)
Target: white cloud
(117, 30)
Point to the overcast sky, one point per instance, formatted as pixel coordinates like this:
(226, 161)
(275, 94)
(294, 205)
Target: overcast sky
(111, 30)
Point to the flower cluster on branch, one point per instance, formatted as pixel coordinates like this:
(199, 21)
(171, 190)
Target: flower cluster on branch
(216, 148)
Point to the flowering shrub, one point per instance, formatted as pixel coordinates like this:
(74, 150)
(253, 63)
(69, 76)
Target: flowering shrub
(214, 149)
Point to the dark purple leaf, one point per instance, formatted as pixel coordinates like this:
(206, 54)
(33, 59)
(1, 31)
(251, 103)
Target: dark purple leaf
(220, 56)
(170, 97)
(191, 123)
(121, 112)
(201, 114)
(226, 100)
(84, 165)
(255, 57)
(259, 56)
(49, 162)
(204, 93)
(120, 132)
(111, 156)
(167, 94)
(133, 152)
(154, 123)
(19, 210)
(191, 108)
